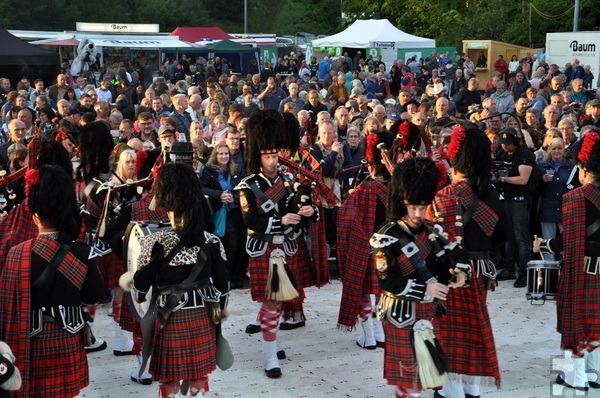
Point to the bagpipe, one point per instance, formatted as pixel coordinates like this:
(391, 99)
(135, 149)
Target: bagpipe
(110, 207)
(312, 179)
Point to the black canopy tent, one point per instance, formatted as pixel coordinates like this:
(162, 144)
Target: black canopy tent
(20, 59)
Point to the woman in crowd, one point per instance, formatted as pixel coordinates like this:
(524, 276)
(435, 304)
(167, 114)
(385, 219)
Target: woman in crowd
(218, 179)
(558, 177)
(189, 259)
(513, 65)
(46, 116)
(542, 153)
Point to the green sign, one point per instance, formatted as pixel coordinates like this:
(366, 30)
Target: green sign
(373, 52)
(269, 54)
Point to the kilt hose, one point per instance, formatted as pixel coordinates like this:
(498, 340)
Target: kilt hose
(400, 364)
(59, 367)
(259, 272)
(186, 348)
(466, 334)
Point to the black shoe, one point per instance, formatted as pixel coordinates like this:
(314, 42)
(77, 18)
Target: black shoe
(291, 326)
(122, 353)
(251, 329)
(506, 275)
(593, 384)
(437, 395)
(380, 344)
(281, 354)
(560, 380)
(99, 345)
(520, 282)
(471, 396)
(145, 382)
(273, 373)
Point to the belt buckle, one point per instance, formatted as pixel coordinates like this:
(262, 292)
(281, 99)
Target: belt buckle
(278, 239)
(268, 206)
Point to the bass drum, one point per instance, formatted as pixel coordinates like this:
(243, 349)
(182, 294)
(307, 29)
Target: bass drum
(132, 246)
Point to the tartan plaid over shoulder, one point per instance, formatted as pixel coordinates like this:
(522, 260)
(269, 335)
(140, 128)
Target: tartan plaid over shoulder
(355, 225)
(140, 211)
(454, 200)
(16, 227)
(577, 300)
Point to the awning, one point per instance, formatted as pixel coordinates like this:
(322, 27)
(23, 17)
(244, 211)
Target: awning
(140, 42)
(56, 42)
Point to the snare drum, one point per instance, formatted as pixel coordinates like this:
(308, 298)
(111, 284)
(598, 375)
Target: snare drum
(542, 280)
(132, 246)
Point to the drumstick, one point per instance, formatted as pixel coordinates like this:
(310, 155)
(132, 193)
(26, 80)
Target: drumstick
(535, 237)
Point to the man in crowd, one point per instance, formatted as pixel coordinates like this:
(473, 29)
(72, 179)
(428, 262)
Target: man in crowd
(271, 95)
(293, 97)
(517, 198)
(181, 116)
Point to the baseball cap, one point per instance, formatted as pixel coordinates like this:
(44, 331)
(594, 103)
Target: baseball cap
(508, 136)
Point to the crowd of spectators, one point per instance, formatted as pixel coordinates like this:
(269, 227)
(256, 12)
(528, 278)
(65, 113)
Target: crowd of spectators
(338, 102)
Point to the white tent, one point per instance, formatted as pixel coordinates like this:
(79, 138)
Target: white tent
(375, 33)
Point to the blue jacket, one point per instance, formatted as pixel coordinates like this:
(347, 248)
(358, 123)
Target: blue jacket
(324, 68)
(550, 205)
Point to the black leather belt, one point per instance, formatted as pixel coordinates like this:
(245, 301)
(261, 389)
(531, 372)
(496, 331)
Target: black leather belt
(592, 246)
(277, 239)
(517, 199)
(479, 255)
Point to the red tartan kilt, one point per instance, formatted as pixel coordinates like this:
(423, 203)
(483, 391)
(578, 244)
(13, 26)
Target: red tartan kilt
(59, 367)
(466, 332)
(186, 347)
(301, 265)
(111, 269)
(584, 319)
(127, 320)
(399, 364)
(259, 272)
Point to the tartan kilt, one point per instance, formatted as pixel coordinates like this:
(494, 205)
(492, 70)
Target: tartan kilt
(59, 367)
(399, 363)
(258, 267)
(587, 321)
(301, 265)
(466, 333)
(111, 269)
(186, 348)
(126, 319)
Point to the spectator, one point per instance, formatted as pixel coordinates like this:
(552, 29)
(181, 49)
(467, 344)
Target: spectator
(517, 201)
(558, 178)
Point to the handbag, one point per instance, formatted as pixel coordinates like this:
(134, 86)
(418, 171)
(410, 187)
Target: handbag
(220, 220)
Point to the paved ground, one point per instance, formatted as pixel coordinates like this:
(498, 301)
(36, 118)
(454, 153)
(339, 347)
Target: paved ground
(323, 362)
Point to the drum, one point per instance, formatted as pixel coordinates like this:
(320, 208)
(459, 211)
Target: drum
(542, 280)
(132, 245)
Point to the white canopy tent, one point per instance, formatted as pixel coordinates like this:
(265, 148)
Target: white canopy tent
(375, 33)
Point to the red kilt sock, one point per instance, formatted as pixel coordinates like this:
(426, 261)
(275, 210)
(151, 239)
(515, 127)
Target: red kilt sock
(168, 389)
(365, 308)
(199, 386)
(269, 320)
(402, 392)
